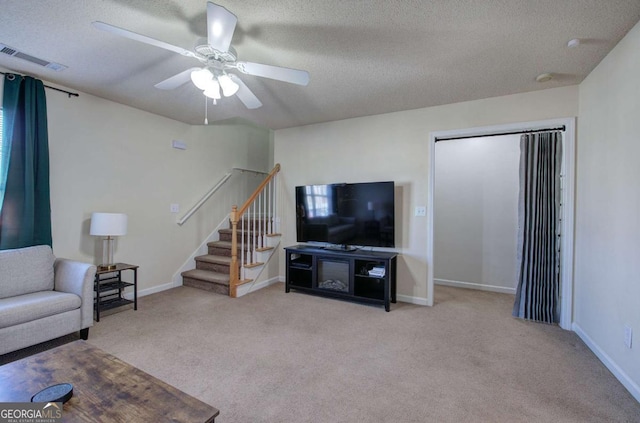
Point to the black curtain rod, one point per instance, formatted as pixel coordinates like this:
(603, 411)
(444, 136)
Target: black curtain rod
(69, 93)
(560, 128)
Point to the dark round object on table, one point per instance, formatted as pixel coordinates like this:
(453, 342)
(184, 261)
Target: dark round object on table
(61, 392)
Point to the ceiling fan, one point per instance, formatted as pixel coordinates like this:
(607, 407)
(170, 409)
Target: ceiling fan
(217, 57)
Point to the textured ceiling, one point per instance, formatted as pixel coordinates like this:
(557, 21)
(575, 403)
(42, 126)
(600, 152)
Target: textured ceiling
(363, 57)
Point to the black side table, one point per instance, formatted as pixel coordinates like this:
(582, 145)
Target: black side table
(109, 288)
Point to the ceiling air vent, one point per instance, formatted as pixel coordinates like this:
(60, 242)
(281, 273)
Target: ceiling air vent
(5, 49)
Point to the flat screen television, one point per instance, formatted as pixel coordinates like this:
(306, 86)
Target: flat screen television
(346, 215)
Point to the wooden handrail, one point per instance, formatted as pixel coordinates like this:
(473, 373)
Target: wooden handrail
(258, 190)
(235, 217)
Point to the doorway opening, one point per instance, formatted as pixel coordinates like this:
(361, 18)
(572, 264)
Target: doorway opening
(476, 213)
(497, 271)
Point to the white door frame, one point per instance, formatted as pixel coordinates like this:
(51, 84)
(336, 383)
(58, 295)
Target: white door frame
(568, 200)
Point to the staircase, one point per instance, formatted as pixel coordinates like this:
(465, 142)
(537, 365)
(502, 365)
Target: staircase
(239, 255)
(213, 270)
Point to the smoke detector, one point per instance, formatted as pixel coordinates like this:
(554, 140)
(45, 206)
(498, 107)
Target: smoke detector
(544, 77)
(573, 43)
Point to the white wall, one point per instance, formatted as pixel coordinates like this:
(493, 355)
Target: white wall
(476, 213)
(607, 247)
(395, 146)
(113, 158)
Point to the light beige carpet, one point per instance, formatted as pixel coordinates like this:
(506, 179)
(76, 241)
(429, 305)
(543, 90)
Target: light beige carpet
(277, 357)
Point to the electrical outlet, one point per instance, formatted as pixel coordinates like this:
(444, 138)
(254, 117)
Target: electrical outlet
(628, 335)
(175, 208)
(421, 211)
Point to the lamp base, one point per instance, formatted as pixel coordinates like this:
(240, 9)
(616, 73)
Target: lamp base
(107, 254)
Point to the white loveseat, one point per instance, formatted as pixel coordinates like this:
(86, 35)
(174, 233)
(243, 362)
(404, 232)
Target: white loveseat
(42, 297)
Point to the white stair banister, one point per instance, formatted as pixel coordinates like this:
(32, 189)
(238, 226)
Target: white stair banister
(259, 223)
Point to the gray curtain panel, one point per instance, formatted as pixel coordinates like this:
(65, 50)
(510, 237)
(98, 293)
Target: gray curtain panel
(539, 226)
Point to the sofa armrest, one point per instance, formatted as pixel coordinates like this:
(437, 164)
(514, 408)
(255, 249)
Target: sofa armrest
(77, 278)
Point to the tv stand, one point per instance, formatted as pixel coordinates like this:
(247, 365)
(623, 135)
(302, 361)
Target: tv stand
(357, 275)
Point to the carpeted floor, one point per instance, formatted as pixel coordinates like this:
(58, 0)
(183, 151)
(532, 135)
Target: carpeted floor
(276, 357)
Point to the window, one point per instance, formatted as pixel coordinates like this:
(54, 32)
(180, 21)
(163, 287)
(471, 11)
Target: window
(0, 133)
(1, 183)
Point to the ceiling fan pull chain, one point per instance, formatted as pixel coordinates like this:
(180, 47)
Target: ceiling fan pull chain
(206, 114)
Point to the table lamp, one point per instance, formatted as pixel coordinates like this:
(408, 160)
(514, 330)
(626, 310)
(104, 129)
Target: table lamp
(108, 225)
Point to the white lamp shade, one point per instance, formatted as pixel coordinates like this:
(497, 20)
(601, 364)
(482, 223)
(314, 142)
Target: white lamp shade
(201, 78)
(229, 87)
(108, 224)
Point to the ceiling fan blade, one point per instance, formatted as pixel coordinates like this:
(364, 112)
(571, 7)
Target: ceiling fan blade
(293, 76)
(176, 80)
(141, 38)
(220, 27)
(245, 94)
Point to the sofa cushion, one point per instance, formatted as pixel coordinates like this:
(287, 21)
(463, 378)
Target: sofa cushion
(26, 270)
(28, 307)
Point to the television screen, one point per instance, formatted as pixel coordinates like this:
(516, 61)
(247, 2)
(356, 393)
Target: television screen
(358, 214)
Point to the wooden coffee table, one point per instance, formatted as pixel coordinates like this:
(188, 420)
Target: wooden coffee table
(105, 389)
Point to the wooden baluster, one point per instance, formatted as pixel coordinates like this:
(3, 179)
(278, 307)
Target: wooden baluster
(275, 196)
(233, 273)
(249, 244)
(256, 230)
(269, 202)
(261, 222)
(243, 259)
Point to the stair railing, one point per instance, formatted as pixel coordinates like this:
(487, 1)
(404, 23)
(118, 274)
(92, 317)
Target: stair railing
(212, 191)
(208, 195)
(250, 225)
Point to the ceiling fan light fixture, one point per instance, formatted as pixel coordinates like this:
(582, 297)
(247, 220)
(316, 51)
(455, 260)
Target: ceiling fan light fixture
(212, 85)
(216, 56)
(201, 78)
(229, 87)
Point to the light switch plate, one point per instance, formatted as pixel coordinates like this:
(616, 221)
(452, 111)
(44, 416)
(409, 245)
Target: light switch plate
(180, 145)
(628, 336)
(421, 211)
(175, 208)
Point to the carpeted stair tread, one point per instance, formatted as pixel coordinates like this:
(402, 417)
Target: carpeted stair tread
(221, 244)
(226, 245)
(207, 276)
(210, 258)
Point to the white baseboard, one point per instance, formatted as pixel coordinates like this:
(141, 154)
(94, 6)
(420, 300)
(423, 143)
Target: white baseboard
(254, 286)
(626, 381)
(478, 286)
(412, 300)
(153, 290)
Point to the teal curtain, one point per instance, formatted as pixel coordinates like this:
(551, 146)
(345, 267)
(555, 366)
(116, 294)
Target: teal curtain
(25, 211)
